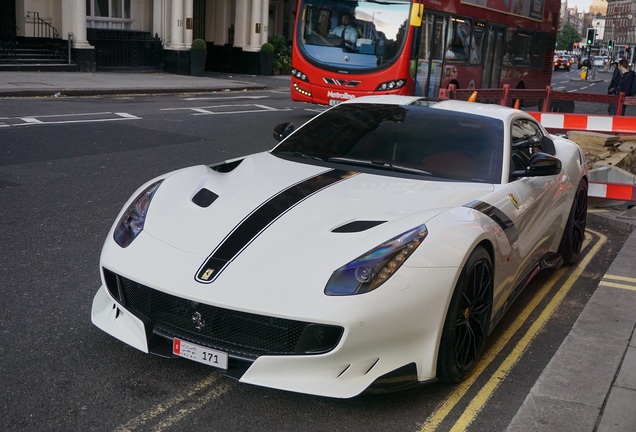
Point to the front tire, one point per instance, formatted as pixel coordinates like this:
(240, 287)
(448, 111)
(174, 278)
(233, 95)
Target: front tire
(574, 232)
(467, 320)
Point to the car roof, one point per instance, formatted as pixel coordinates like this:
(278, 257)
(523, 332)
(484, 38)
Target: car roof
(475, 108)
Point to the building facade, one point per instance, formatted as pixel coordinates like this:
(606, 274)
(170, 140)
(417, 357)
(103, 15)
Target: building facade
(233, 29)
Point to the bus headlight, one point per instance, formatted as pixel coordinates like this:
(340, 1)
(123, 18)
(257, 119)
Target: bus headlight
(299, 74)
(391, 85)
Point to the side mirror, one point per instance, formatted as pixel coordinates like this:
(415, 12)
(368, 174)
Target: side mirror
(547, 146)
(282, 130)
(540, 164)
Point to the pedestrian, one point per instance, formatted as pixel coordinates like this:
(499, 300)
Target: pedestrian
(613, 84)
(625, 84)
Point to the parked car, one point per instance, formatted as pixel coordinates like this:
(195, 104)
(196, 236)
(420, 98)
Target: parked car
(598, 61)
(375, 247)
(562, 62)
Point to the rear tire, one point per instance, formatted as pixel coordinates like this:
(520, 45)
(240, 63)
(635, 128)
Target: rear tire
(467, 320)
(574, 232)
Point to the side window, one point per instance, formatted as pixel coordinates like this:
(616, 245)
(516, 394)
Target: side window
(459, 40)
(526, 137)
(526, 130)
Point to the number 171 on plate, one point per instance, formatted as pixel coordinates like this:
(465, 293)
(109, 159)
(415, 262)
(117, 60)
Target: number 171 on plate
(199, 353)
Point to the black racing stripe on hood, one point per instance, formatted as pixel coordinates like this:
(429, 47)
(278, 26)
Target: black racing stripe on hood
(257, 221)
(500, 218)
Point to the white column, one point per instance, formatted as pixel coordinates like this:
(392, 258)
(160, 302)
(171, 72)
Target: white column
(265, 21)
(255, 38)
(157, 18)
(188, 12)
(241, 23)
(176, 26)
(78, 25)
(221, 23)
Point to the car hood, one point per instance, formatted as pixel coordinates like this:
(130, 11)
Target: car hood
(275, 212)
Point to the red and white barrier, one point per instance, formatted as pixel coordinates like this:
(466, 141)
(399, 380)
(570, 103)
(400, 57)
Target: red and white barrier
(584, 122)
(616, 191)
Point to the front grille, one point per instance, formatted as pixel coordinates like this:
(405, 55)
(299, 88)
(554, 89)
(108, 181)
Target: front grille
(239, 334)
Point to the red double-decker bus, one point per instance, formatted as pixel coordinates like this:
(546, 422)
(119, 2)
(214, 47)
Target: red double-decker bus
(345, 49)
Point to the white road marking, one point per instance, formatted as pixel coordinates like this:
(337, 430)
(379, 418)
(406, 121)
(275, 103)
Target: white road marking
(225, 98)
(228, 109)
(69, 118)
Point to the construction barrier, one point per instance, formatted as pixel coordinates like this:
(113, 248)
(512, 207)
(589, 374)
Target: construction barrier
(547, 99)
(615, 191)
(585, 122)
(612, 182)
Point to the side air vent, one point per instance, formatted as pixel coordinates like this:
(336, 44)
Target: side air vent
(204, 198)
(357, 226)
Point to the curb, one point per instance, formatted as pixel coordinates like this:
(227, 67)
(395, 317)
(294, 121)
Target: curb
(125, 91)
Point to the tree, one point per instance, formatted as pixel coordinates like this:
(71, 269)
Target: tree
(567, 36)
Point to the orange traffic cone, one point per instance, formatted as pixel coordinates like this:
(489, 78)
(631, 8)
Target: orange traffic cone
(473, 97)
(517, 104)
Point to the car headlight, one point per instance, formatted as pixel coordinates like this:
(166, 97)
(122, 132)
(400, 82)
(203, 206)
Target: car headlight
(133, 219)
(375, 267)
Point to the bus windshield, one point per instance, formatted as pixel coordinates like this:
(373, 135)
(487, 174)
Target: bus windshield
(352, 35)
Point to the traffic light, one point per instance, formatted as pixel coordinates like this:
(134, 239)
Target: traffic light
(627, 49)
(610, 45)
(591, 34)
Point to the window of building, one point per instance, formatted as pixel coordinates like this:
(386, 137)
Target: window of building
(109, 14)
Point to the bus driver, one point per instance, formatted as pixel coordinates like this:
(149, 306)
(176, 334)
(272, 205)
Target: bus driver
(346, 32)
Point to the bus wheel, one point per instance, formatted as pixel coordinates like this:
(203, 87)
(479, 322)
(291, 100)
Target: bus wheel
(563, 106)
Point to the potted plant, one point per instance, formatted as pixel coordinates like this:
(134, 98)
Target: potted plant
(198, 56)
(282, 54)
(267, 58)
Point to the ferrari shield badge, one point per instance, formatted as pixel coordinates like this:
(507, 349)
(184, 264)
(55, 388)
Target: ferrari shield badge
(514, 201)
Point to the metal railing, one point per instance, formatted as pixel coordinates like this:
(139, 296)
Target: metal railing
(71, 38)
(125, 49)
(41, 28)
(8, 34)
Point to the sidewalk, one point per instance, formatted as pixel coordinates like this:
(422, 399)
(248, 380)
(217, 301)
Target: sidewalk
(56, 84)
(590, 383)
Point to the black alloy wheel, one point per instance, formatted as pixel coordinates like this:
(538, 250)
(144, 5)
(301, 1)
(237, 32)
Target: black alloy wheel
(574, 232)
(467, 320)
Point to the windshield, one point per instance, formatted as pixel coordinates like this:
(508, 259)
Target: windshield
(411, 139)
(352, 34)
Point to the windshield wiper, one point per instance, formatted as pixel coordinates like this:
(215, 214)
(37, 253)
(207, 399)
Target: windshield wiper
(379, 164)
(300, 155)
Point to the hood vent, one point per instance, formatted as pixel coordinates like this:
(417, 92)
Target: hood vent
(226, 167)
(357, 226)
(204, 198)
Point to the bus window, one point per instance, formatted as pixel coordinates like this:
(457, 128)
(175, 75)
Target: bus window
(458, 40)
(353, 35)
(519, 46)
(538, 50)
(479, 33)
(431, 55)
(461, 44)
(523, 45)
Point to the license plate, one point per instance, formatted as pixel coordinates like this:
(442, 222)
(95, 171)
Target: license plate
(199, 353)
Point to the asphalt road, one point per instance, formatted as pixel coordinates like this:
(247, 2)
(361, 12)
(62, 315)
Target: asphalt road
(66, 168)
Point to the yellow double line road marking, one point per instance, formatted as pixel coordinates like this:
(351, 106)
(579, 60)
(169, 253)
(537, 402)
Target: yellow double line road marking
(628, 283)
(184, 404)
(479, 401)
